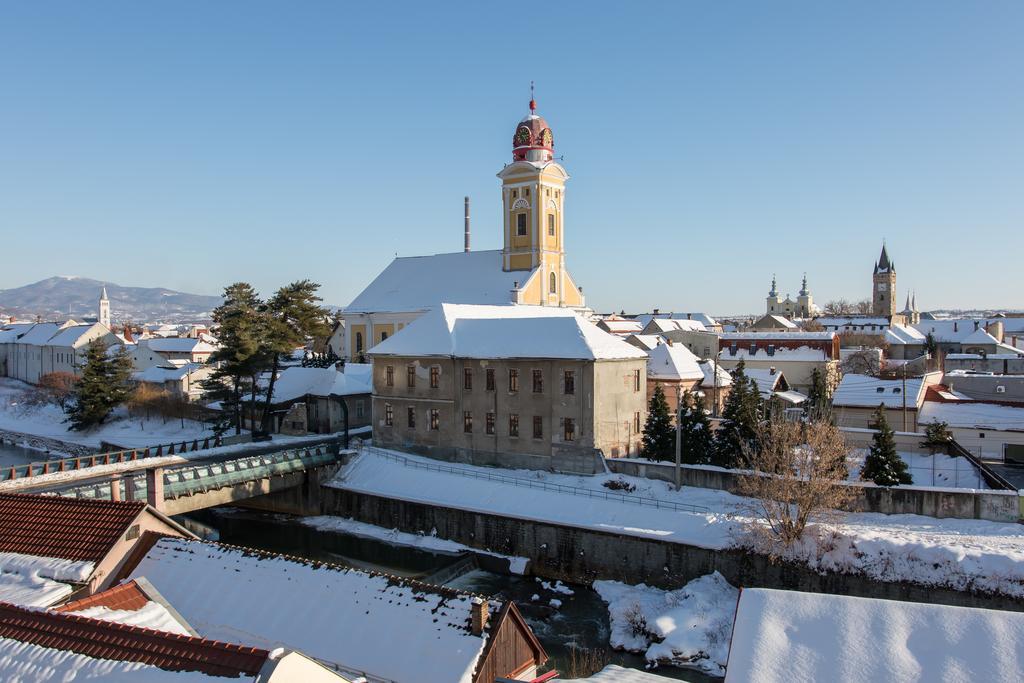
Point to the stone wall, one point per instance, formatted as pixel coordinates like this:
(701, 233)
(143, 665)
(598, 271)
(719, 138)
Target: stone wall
(49, 449)
(584, 555)
(996, 506)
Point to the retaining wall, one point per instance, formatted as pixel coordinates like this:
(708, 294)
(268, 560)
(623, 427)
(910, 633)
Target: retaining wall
(996, 506)
(585, 555)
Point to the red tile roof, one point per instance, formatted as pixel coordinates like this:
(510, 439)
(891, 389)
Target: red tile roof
(120, 642)
(68, 528)
(127, 596)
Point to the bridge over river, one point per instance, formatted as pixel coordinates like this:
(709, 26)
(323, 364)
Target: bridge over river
(267, 476)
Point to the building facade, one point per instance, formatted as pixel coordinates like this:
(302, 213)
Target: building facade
(554, 404)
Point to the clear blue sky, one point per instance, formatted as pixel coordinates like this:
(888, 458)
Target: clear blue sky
(192, 144)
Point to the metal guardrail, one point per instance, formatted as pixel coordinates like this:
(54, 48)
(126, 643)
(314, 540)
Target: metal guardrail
(541, 485)
(35, 469)
(187, 480)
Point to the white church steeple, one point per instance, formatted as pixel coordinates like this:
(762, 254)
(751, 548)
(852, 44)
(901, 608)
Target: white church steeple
(103, 316)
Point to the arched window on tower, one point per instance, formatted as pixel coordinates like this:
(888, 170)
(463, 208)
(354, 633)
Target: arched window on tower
(553, 283)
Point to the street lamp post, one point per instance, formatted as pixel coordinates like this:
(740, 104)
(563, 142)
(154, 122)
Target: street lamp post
(679, 403)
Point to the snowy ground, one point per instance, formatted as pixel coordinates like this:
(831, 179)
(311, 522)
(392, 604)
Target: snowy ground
(961, 554)
(928, 470)
(48, 421)
(517, 565)
(690, 626)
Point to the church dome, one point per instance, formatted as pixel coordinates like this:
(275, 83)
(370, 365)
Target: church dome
(533, 140)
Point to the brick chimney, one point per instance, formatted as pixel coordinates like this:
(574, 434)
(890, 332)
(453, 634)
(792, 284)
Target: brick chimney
(479, 612)
(771, 370)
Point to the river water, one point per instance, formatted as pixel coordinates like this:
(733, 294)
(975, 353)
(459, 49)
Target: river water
(580, 622)
(11, 454)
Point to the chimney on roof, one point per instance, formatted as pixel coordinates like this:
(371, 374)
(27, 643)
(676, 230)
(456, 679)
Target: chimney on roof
(955, 326)
(771, 370)
(976, 324)
(467, 225)
(656, 311)
(479, 615)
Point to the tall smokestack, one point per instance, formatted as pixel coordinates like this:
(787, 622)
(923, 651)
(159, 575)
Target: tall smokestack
(467, 225)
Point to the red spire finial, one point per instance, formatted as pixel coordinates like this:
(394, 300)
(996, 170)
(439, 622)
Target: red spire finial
(533, 102)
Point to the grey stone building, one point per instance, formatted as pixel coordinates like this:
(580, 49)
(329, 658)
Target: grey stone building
(514, 386)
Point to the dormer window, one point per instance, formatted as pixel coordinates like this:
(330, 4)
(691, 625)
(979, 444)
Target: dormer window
(880, 390)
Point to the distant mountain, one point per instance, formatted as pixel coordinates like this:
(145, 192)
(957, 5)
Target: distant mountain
(58, 298)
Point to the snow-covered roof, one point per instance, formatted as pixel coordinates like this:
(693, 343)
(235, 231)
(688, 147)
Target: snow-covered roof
(662, 325)
(622, 325)
(703, 318)
(179, 345)
(781, 353)
(869, 392)
(416, 283)
(952, 331)
(764, 378)
(71, 336)
(647, 341)
(980, 336)
(386, 626)
(10, 333)
(673, 362)
(39, 334)
(779, 321)
(709, 368)
(785, 336)
(902, 334)
(159, 374)
(35, 581)
(788, 636)
(852, 321)
(468, 331)
(974, 415)
(296, 382)
(619, 674)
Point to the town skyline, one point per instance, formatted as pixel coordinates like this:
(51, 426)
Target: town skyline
(326, 159)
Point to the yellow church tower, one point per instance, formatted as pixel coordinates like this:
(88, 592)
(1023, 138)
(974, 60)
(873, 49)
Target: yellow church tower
(533, 201)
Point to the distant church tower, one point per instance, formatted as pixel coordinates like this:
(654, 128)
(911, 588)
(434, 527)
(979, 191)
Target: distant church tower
(773, 302)
(533, 201)
(883, 292)
(805, 302)
(104, 311)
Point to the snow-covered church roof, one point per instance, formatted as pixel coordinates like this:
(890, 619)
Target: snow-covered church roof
(466, 331)
(416, 283)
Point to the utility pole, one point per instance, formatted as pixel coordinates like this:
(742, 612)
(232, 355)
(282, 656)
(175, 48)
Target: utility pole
(679, 462)
(904, 392)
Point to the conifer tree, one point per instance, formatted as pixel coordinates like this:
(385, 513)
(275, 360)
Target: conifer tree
(697, 442)
(883, 465)
(293, 315)
(241, 354)
(104, 385)
(816, 406)
(741, 416)
(659, 440)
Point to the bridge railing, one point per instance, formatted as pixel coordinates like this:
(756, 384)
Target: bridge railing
(185, 480)
(109, 458)
(534, 483)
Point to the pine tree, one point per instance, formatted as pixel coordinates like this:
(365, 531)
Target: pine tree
(241, 354)
(696, 440)
(816, 405)
(740, 418)
(293, 316)
(659, 440)
(104, 385)
(883, 465)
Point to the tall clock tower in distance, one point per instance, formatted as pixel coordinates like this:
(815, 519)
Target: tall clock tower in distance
(533, 207)
(883, 291)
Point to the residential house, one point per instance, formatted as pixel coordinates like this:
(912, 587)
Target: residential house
(383, 627)
(855, 400)
(644, 342)
(517, 386)
(676, 370)
(780, 636)
(27, 352)
(624, 327)
(775, 390)
(123, 640)
(981, 386)
(183, 349)
(989, 429)
(994, 363)
(773, 323)
(53, 547)
(707, 321)
(184, 381)
(659, 326)
(322, 400)
(795, 354)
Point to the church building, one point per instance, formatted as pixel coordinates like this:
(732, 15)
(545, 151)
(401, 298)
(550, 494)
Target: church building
(883, 293)
(802, 307)
(528, 269)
